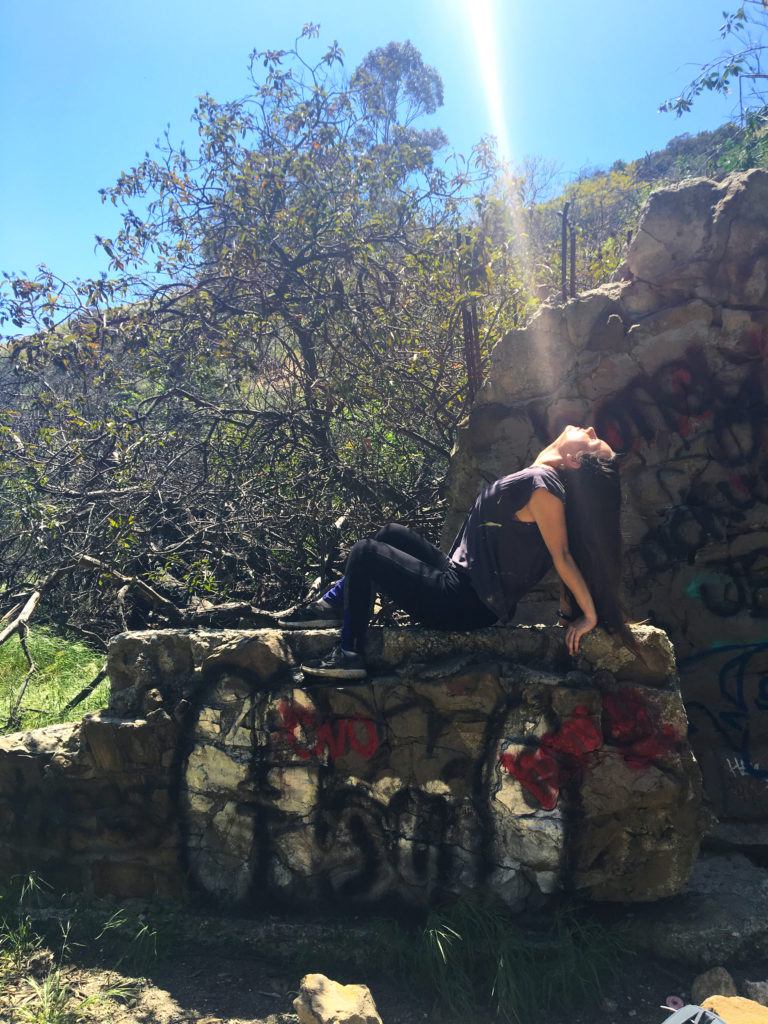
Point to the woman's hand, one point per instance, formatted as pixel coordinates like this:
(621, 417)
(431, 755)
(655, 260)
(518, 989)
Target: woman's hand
(576, 631)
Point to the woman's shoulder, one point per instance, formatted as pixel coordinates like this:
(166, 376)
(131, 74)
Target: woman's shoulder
(534, 477)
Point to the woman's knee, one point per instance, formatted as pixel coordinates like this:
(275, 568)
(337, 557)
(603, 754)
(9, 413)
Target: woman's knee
(390, 533)
(361, 554)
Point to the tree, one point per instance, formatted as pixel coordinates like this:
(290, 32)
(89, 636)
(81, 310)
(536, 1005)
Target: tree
(746, 30)
(273, 362)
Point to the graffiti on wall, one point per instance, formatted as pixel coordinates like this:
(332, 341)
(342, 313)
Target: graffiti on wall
(700, 427)
(376, 793)
(309, 735)
(742, 676)
(561, 757)
(685, 397)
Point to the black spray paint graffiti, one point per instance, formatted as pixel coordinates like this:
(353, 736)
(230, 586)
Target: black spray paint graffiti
(688, 408)
(373, 848)
(377, 796)
(707, 515)
(743, 683)
(734, 585)
(712, 477)
(683, 397)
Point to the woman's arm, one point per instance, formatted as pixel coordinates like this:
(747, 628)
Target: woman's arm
(565, 605)
(549, 515)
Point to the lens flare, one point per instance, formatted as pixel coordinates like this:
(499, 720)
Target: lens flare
(483, 17)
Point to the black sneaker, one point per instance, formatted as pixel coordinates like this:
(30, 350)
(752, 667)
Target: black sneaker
(339, 664)
(315, 615)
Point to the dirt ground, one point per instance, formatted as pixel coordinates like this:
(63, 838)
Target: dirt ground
(220, 971)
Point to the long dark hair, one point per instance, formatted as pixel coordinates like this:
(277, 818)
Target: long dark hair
(592, 513)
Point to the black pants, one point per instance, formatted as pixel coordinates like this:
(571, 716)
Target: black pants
(417, 576)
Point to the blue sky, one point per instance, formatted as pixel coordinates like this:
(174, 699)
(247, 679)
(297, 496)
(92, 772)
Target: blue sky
(89, 85)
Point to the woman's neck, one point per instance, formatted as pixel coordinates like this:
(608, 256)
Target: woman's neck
(550, 456)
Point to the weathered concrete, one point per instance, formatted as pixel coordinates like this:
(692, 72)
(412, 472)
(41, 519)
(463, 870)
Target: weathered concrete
(719, 917)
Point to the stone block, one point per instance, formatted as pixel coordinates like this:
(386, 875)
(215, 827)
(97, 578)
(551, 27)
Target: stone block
(125, 879)
(594, 319)
(263, 656)
(457, 765)
(524, 363)
(757, 991)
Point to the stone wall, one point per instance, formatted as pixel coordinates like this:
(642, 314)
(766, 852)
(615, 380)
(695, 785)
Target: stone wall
(669, 364)
(489, 760)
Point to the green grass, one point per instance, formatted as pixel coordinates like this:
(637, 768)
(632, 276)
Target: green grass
(477, 960)
(18, 941)
(129, 941)
(35, 986)
(64, 667)
(52, 1001)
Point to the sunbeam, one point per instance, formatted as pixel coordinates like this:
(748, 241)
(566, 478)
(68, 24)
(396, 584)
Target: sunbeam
(482, 16)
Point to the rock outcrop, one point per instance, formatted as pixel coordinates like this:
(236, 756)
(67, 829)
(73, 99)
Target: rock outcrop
(487, 761)
(668, 363)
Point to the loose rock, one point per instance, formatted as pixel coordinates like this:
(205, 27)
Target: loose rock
(721, 915)
(716, 982)
(323, 1001)
(757, 990)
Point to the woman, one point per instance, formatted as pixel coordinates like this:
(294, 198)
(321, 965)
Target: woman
(561, 510)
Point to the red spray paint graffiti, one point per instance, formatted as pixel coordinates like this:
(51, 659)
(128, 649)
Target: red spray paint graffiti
(557, 759)
(629, 725)
(563, 755)
(337, 735)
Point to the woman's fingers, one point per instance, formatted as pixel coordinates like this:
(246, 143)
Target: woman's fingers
(575, 632)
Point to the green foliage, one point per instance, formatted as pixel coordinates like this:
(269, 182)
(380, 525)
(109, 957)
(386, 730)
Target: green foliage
(64, 667)
(604, 207)
(745, 30)
(749, 146)
(292, 350)
(474, 957)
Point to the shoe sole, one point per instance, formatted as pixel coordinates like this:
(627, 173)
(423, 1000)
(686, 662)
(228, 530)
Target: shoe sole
(311, 624)
(335, 673)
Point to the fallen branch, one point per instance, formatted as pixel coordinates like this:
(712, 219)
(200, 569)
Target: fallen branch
(230, 614)
(29, 606)
(14, 719)
(20, 622)
(147, 592)
(86, 690)
(12, 611)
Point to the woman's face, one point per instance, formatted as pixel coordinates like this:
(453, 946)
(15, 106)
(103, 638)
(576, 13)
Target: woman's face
(575, 441)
